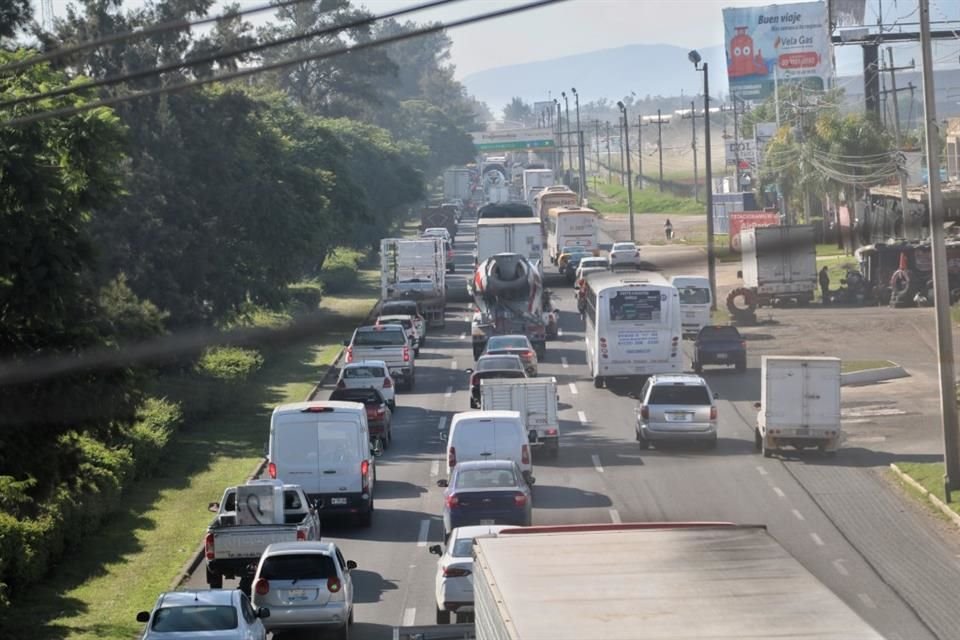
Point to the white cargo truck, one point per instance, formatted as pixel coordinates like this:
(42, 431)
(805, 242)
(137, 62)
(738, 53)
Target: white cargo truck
(456, 184)
(509, 235)
(415, 270)
(780, 262)
(799, 404)
(536, 399)
(536, 179)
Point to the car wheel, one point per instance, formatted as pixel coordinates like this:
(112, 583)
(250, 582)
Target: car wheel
(214, 580)
(416, 352)
(392, 404)
(350, 619)
(642, 442)
(366, 518)
(443, 617)
(598, 382)
(343, 633)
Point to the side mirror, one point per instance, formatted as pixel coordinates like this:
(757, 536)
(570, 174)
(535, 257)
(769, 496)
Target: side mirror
(532, 481)
(716, 396)
(213, 507)
(143, 616)
(756, 405)
(442, 482)
(351, 565)
(263, 613)
(468, 370)
(436, 550)
(346, 343)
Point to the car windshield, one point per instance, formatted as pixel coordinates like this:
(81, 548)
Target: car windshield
(669, 393)
(381, 338)
(194, 618)
(720, 333)
(487, 364)
(300, 566)
(406, 324)
(503, 373)
(495, 478)
(624, 246)
(352, 373)
(694, 295)
(508, 342)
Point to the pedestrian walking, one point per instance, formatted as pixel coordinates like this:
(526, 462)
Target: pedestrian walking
(824, 286)
(668, 229)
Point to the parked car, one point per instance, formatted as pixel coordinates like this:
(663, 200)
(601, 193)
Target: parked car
(624, 254)
(516, 345)
(719, 344)
(407, 308)
(676, 407)
(307, 585)
(486, 492)
(369, 374)
(409, 325)
(454, 582)
(507, 366)
(390, 343)
(567, 253)
(489, 435)
(379, 415)
(216, 613)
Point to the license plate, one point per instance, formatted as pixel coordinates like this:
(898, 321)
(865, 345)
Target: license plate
(296, 594)
(338, 501)
(679, 417)
(721, 356)
(487, 523)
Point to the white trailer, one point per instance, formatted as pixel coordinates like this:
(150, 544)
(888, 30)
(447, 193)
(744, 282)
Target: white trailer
(779, 262)
(646, 581)
(415, 270)
(509, 235)
(536, 399)
(536, 179)
(799, 404)
(456, 184)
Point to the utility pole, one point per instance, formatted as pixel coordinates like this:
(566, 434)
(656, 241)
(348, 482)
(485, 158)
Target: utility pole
(566, 103)
(736, 138)
(560, 140)
(596, 173)
(622, 163)
(609, 161)
(941, 289)
(693, 119)
(902, 173)
(640, 126)
(660, 122)
(626, 136)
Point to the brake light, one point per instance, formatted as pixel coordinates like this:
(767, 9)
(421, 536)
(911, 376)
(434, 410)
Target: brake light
(348, 354)
(380, 411)
(743, 344)
(365, 468)
(272, 470)
(520, 500)
(551, 432)
(387, 383)
(208, 546)
(474, 380)
(713, 413)
(333, 584)
(525, 454)
(263, 587)
(301, 534)
(455, 572)
(452, 501)
(526, 354)
(452, 457)
(406, 354)
(644, 411)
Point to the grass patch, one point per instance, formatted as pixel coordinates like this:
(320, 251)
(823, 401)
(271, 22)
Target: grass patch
(829, 249)
(930, 476)
(613, 199)
(96, 592)
(720, 315)
(849, 366)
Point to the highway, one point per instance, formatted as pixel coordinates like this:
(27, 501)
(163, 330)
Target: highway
(602, 476)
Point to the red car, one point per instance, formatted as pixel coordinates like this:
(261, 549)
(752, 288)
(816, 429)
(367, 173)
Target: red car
(379, 416)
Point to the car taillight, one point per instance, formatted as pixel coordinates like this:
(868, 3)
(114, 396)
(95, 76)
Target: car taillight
(551, 432)
(525, 454)
(387, 383)
(272, 470)
(406, 354)
(365, 468)
(208, 546)
(474, 380)
(452, 501)
(455, 572)
(348, 355)
(301, 534)
(263, 587)
(713, 413)
(526, 354)
(380, 410)
(743, 344)
(520, 500)
(333, 584)
(645, 411)
(452, 457)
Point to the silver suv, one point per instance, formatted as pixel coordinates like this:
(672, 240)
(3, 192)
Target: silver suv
(677, 407)
(306, 585)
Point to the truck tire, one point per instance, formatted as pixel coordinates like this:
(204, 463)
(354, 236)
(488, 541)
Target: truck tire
(443, 617)
(214, 580)
(697, 367)
(598, 382)
(757, 440)
(764, 449)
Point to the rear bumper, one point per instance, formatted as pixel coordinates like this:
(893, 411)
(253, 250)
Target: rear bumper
(472, 517)
(403, 373)
(720, 357)
(233, 567)
(333, 503)
(690, 432)
(332, 614)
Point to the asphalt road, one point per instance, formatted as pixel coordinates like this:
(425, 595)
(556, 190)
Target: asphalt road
(835, 516)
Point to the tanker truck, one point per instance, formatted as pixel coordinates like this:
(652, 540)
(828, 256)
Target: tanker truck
(508, 291)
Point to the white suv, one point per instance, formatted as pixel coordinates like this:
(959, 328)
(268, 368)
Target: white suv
(677, 407)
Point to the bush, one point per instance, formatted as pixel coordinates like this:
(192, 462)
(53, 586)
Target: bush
(157, 421)
(306, 296)
(339, 273)
(229, 364)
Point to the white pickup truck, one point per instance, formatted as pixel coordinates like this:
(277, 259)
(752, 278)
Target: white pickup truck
(250, 518)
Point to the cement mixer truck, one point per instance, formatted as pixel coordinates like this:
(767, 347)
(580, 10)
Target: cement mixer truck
(508, 291)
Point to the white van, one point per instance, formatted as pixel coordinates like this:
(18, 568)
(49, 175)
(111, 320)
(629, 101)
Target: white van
(489, 435)
(325, 448)
(695, 302)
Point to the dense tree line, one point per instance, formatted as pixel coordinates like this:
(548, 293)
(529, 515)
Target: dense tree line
(183, 209)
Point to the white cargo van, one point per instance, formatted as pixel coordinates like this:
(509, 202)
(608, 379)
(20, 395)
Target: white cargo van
(535, 399)
(695, 302)
(325, 448)
(488, 435)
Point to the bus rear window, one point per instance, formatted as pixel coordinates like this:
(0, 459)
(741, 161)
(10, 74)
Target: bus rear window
(637, 305)
(694, 295)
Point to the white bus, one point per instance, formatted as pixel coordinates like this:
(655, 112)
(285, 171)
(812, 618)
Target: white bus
(572, 226)
(633, 325)
(695, 302)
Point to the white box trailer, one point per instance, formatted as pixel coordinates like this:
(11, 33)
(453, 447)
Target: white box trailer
(456, 184)
(536, 399)
(799, 404)
(648, 581)
(415, 270)
(779, 262)
(509, 235)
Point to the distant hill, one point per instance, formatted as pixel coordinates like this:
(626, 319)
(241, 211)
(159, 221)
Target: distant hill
(658, 69)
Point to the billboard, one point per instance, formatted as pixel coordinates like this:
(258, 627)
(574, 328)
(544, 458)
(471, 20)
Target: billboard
(743, 150)
(785, 42)
(512, 140)
(741, 220)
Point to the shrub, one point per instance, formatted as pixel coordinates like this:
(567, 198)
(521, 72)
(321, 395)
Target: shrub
(306, 296)
(229, 364)
(339, 273)
(157, 421)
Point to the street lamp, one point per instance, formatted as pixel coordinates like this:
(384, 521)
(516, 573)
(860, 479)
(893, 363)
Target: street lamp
(695, 58)
(580, 155)
(559, 139)
(566, 103)
(626, 140)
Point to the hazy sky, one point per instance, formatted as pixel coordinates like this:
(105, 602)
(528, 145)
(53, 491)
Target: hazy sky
(577, 26)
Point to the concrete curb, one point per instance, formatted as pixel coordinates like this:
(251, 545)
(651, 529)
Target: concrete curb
(869, 376)
(937, 502)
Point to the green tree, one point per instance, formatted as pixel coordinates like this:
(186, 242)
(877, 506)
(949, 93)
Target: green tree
(517, 111)
(14, 16)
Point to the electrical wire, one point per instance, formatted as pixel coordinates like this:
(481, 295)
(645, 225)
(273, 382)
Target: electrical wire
(213, 57)
(288, 62)
(163, 27)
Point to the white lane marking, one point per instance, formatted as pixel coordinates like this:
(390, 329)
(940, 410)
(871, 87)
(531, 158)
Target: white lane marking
(582, 417)
(563, 362)
(615, 516)
(559, 332)
(817, 539)
(442, 424)
(838, 565)
(596, 463)
(463, 336)
(798, 515)
(453, 364)
(573, 388)
(448, 392)
(424, 532)
(761, 471)
(434, 468)
(409, 616)
(779, 492)
(867, 601)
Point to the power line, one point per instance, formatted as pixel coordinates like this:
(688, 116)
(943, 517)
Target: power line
(213, 57)
(163, 27)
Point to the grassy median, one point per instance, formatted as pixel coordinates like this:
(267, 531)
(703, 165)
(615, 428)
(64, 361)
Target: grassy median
(930, 476)
(96, 592)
